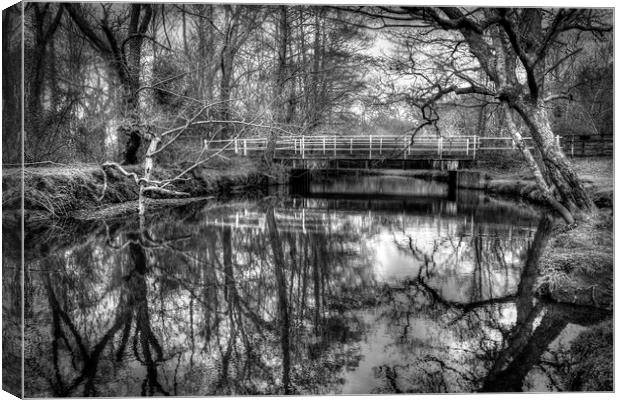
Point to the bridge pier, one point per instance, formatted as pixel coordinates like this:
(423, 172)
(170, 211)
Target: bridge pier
(299, 180)
(453, 185)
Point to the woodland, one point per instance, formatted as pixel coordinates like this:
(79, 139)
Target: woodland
(269, 293)
(141, 84)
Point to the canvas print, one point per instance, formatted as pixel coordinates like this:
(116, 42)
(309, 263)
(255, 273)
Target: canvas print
(217, 199)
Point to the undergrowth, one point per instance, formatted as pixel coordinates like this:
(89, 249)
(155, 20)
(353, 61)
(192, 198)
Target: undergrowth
(592, 359)
(59, 191)
(577, 265)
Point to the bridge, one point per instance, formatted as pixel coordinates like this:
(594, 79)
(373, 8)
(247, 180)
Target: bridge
(378, 151)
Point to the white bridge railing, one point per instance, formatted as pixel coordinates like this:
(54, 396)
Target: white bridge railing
(308, 220)
(367, 146)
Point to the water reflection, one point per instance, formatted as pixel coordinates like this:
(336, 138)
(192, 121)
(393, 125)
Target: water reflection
(281, 296)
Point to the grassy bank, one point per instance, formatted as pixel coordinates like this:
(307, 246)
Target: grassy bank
(515, 179)
(577, 265)
(64, 191)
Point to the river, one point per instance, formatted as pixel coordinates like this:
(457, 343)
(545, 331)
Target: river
(363, 285)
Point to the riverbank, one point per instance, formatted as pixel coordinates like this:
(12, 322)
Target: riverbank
(77, 190)
(577, 265)
(514, 179)
(595, 173)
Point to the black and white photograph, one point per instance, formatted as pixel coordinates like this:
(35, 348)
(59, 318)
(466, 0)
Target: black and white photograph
(249, 199)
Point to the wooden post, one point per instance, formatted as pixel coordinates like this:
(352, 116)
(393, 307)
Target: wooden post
(335, 146)
(440, 147)
(572, 145)
(370, 148)
(351, 146)
(475, 144)
(323, 145)
(303, 147)
(583, 147)
(467, 148)
(205, 143)
(380, 145)
(236, 147)
(245, 147)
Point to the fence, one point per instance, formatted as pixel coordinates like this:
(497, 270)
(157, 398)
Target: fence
(323, 147)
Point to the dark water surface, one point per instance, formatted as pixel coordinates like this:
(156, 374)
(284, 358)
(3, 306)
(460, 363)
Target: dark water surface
(364, 285)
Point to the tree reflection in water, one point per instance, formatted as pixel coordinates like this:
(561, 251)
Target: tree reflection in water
(211, 304)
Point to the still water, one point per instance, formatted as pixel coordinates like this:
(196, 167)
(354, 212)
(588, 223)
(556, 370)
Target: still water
(362, 286)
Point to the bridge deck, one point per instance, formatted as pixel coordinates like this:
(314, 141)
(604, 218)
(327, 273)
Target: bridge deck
(366, 147)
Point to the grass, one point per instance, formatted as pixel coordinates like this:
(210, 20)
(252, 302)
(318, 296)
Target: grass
(577, 265)
(592, 359)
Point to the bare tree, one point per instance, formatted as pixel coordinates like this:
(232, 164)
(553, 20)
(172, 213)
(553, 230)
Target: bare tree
(121, 45)
(510, 47)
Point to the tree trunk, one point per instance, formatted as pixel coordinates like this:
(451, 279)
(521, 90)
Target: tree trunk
(281, 84)
(533, 165)
(11, 84)
(316, 64)
(148, 169)
(226, 68)
(130, 126)
(561, 173)
(558, 171)
(205, 51)
(130, 81)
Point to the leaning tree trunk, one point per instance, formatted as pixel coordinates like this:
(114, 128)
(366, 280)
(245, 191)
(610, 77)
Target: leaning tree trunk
(560, 171)
(533, 166)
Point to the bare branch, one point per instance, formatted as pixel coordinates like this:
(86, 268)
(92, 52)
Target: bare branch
(158, 189)
(121, 169)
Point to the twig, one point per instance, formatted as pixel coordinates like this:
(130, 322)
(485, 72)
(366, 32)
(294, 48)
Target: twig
(181, 129)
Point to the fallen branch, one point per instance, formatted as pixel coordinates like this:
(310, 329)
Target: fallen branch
(164, 191)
